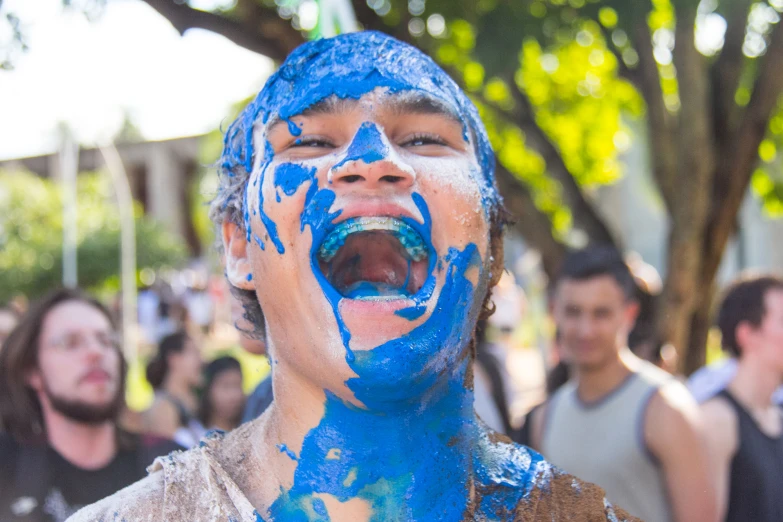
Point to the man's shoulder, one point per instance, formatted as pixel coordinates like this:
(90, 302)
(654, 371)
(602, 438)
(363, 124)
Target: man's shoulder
(141, 501)
(565, 497)
(519, 481)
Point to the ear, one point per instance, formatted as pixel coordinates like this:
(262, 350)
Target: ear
(631, 313)
(238, 266)
(744, 334)
(34, 379)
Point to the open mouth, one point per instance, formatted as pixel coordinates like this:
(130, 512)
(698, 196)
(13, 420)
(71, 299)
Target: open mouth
(374, 258)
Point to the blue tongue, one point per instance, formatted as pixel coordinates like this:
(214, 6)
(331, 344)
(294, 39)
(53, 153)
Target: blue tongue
(366, 290)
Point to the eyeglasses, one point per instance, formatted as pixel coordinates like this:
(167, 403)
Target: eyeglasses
(72, 342)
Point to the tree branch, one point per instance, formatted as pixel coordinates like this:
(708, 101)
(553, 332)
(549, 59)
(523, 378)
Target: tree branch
(534, 225)
(270, 42)
(659, 121)
(727, 69)
(738, 167)
(584, 214)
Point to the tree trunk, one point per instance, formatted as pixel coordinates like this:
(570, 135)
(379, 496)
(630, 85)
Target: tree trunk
(696, 355)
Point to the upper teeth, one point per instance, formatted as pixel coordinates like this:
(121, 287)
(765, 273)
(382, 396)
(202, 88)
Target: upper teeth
(409, 238)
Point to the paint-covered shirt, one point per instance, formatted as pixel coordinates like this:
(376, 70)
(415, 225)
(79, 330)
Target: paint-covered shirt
(202, 484)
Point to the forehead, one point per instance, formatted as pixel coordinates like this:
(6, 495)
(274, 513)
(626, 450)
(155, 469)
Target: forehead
(74, 316)
(380, 100)
(598, 289)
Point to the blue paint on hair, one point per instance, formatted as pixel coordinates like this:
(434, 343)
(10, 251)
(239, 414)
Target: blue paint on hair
(348, 67)
(367, 146)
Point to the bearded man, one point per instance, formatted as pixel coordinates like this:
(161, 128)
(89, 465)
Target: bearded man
(61, 390)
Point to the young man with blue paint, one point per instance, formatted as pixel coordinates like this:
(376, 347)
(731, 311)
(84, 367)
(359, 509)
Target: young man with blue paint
(357, 191)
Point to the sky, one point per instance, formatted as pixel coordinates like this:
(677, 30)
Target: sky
(90, 74)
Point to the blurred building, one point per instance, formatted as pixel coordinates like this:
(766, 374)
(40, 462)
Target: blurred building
(160, 174)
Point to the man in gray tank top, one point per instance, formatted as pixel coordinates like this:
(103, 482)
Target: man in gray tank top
(621, 422)
(745, 426)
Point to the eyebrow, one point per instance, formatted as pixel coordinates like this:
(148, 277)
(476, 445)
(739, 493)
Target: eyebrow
(399, 104)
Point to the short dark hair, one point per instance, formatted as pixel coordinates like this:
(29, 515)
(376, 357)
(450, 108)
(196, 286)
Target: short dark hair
(211, 371)
(158, 366)
(595, 261)
(20, 410)
(743, 301)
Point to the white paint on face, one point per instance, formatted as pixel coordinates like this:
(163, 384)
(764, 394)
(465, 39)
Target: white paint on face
(428, 150)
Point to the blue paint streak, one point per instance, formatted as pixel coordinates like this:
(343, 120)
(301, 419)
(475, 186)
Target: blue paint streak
(293, 128)
(284, 449)
(367, 146)
(348, 67)
(290, 176)
(271, 227)
(258, 240)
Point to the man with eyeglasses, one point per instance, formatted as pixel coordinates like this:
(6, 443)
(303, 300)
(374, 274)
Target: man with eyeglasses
(62, 380)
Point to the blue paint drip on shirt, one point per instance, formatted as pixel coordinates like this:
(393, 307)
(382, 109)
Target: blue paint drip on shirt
(284, 449)
(367, 146)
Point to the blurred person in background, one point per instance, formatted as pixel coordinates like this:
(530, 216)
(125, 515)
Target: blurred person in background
(9, 318)
(222, 398)
(745, 427)
(175, 375)
(621, 422)
(62, 381)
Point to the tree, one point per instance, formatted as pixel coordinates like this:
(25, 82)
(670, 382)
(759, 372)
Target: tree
(31, 236)
(552, 79)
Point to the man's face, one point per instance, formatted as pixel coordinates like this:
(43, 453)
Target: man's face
(370, 214)
(78, 371)
(594, 318)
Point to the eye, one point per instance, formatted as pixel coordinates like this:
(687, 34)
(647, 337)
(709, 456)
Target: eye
(312, 141)
(423, 139)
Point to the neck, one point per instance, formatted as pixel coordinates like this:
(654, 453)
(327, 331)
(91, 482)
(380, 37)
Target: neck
(754, 383)
(403, 460)
(88, 446)
(593, 383)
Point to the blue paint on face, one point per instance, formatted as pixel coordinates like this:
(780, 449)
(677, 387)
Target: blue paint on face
(348, 67)
(293, 128)
(367, 146)
(249, 277)
(376, 460)
(419, 380)
(290, 176)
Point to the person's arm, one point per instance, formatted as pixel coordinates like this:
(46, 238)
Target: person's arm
(536, 420)
(720, 422)
(674, 434)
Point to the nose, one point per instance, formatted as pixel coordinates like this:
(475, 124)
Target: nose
(370, 163)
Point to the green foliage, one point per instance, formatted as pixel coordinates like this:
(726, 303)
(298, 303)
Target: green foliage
(767, 180)
(31, 229)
